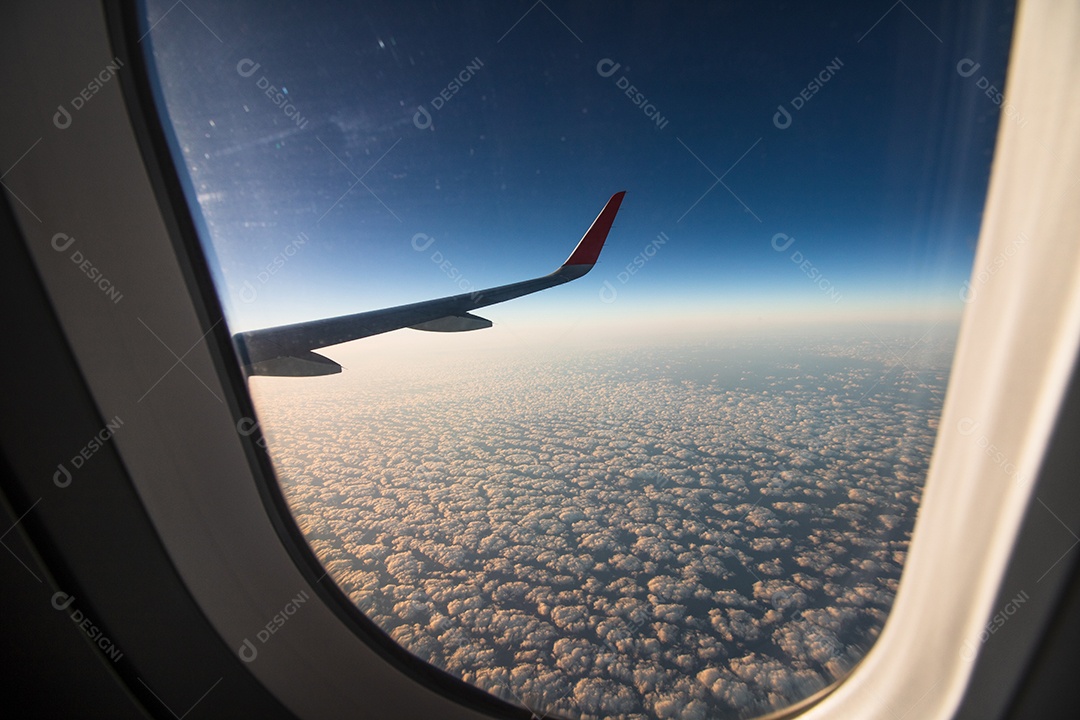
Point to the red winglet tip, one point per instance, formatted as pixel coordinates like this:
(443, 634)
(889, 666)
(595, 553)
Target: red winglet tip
(588, 250)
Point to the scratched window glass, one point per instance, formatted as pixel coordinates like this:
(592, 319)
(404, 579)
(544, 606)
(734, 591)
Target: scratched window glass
(671, 471)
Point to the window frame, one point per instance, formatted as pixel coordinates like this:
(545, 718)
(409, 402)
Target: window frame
(211, 495)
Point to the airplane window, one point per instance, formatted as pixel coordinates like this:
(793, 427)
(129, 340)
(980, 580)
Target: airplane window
(676, 477)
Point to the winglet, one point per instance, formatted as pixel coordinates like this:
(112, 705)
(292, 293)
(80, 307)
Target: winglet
(588, 250)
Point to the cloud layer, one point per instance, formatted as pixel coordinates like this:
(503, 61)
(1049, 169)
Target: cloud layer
(662, 533)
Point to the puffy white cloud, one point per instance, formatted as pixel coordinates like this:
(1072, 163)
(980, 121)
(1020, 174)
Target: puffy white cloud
(668, 588)
(570, 618)
(404, 566)
(599, 698)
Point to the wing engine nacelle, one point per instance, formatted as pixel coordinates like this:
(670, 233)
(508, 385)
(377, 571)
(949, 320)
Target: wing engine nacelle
(308, 364)
(454, 323)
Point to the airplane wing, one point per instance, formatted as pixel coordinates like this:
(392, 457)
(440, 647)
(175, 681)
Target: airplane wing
(287, 350)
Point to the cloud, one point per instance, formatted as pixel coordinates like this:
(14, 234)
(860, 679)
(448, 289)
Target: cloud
(614, 535)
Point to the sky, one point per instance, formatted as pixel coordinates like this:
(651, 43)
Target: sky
(783, 162)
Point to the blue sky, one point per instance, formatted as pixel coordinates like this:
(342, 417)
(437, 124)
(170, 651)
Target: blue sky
(879, 178)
